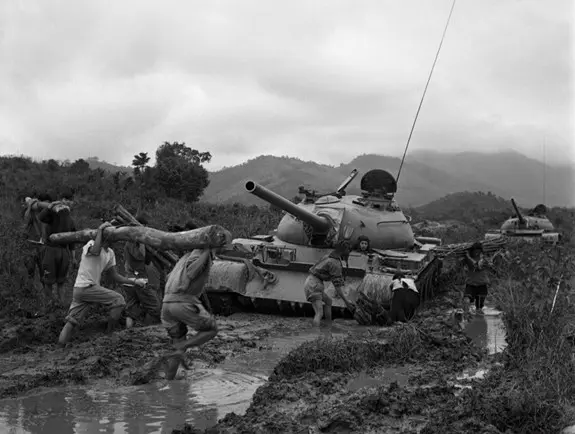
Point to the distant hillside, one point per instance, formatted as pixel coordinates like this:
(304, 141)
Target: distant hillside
(96, 163)
(426, 176)
(508, 173)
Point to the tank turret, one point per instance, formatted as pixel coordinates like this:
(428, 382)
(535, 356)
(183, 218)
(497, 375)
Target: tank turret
(321, 219)
(533, 226)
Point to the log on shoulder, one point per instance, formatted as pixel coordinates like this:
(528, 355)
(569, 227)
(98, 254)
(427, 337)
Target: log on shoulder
(205, 237)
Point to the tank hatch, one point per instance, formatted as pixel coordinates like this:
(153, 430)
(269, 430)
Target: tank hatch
(379, 183)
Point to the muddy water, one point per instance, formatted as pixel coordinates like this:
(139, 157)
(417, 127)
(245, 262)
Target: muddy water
(201, 396)
(487, 330)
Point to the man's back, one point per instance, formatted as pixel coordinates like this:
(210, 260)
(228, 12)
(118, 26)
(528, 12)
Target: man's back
(186, 281)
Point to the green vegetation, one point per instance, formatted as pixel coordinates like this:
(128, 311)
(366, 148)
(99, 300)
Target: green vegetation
(178, 174)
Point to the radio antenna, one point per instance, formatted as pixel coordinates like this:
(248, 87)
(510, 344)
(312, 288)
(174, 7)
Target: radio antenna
(424, 92)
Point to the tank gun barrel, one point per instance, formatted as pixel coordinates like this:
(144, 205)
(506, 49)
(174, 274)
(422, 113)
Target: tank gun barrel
(320, 224)
(519, 215)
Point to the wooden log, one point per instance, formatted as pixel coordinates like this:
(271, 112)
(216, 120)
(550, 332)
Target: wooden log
(206, 237)
(126, 217)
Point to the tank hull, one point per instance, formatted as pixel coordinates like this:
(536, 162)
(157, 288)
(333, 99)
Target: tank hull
(530, 236)
(269, 277)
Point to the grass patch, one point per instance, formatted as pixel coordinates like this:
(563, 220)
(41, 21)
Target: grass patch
(534, 390)
(414, 342)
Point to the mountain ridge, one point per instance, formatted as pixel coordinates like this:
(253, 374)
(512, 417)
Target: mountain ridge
(427, 175)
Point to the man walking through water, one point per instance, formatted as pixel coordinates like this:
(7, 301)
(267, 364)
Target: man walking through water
(328, 268)
(477, 278)
(97, 257)
(182, 308)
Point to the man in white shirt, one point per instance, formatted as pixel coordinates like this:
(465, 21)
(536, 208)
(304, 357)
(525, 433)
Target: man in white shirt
(405, 298)
(97, 257)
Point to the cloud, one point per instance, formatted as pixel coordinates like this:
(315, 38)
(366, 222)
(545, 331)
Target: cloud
(323, 80)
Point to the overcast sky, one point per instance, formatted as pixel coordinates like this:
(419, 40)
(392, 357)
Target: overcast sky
(319, 80)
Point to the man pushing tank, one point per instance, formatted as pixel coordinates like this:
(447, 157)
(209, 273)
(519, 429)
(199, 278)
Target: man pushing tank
(328, 268)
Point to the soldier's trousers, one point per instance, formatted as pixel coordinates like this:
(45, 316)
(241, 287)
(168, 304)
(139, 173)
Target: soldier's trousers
(404, 302)
(145, 298)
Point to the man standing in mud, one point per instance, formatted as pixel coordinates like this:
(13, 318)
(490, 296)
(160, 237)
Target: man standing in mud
(57, 259)
(182, 308)
(34, 233)
(138, 264)
(97, 257)
(477, 277)
(328, 268)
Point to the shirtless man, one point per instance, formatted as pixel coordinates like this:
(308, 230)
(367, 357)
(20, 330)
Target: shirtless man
(97, 257)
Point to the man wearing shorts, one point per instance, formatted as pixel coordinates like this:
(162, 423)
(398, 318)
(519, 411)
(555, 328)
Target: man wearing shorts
(56, 259)
(328, 268)
(182, 308)
(97, 257)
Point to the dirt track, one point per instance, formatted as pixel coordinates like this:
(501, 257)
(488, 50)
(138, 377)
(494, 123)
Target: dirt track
(30, 358)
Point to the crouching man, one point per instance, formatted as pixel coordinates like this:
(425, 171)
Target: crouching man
(404, 299)
(182, 308)
(97, 257)
(328, 268)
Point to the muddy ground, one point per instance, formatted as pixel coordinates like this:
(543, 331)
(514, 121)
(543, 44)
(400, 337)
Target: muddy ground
(397, 380)
(30, 358)
(388, 379)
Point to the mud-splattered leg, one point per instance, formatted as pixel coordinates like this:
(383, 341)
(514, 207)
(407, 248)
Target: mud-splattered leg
(327, 308)
(182, 345)
(61, 293)
(318, 312)
(66, 334)
(115, 314)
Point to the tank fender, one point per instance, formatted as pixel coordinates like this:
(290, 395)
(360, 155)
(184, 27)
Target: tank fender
(233, 276)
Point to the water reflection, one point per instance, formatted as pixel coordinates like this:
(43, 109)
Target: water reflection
(487, 331)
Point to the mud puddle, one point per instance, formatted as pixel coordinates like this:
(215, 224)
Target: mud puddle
(200, 397)
(487, 330)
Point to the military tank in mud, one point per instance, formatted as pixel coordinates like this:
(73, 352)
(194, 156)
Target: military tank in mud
(535, 226)
(266, 272)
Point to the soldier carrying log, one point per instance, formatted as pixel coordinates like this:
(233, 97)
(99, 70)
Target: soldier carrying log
(182, 308)
(54, 260)
(138, 262)
(97, 257)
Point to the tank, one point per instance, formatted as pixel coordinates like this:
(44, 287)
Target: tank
(535, 226)
(266, 272)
